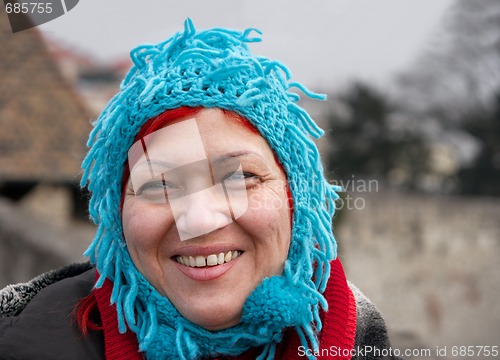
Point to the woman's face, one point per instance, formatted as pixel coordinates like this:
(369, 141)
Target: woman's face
(206, 215)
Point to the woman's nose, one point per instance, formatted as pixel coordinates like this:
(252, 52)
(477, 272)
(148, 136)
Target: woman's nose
(202, 212)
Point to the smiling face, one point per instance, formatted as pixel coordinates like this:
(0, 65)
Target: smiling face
(206, 215)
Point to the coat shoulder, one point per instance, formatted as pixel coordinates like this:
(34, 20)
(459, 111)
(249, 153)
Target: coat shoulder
(40, 313)
(14, 298)
(371, 330)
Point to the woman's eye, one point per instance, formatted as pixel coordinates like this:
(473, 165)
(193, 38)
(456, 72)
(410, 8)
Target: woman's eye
(150, 187)
(248, 177)
(155, 190)
(238, 176)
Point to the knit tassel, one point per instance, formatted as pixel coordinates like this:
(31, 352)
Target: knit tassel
(245, 36)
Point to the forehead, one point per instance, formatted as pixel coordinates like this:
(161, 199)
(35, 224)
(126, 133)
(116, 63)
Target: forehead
(210, 133)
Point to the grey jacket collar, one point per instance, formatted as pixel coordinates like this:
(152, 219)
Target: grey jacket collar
(14, 298)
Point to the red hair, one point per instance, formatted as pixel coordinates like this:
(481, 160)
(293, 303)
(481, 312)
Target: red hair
(87, 306)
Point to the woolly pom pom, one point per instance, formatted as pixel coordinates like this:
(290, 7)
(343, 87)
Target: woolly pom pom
(270, 306)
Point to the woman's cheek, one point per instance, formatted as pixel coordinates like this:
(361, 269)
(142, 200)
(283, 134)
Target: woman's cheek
(264, 211)
(140, 226)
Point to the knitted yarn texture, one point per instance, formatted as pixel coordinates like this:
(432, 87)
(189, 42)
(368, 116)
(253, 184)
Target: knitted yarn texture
(214, 69)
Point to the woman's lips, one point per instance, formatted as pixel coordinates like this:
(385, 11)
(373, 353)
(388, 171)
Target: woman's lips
(210, 260)
(207, 268)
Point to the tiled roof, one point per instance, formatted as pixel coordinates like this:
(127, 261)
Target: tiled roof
(43, 123)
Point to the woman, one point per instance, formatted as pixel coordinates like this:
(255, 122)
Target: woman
(214, 224)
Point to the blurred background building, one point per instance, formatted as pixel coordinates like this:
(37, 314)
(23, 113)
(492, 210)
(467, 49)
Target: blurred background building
(418, 223)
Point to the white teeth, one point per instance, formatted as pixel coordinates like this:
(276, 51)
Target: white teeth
(201, 261)
(210, 260)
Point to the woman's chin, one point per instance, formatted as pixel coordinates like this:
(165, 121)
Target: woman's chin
(214, 319)
(212, 304)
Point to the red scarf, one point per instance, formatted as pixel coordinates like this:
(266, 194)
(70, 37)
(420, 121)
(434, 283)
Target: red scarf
(336, 339)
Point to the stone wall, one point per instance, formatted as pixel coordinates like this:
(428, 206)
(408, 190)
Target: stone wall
(32, 244)
(430, 264)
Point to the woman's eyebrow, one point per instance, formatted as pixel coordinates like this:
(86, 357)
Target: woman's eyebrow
(149, 165)
(163, 163)
(215, 160)
(235, 154)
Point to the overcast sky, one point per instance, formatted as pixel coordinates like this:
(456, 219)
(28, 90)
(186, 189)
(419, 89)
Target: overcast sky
(325, 43)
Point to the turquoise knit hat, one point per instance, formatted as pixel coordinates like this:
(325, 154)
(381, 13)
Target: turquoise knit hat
(214, 69)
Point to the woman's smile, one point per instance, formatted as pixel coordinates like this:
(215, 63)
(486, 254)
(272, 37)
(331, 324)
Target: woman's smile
(210, 260)
(207, 268)
(206, 263)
